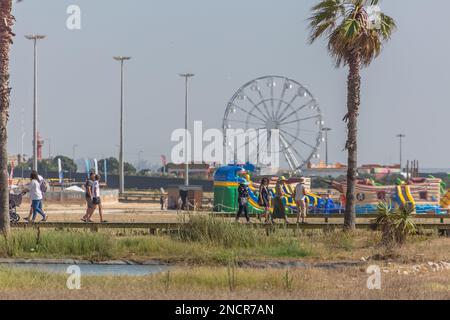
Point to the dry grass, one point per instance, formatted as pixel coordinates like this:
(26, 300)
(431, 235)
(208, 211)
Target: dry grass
(217, 245)
(213, 283)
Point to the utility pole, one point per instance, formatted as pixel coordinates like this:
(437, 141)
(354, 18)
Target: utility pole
(326, 130)
(186, 77)
(49, 148)
(35, 38)
(73, 157)
(121, 59)
(400, 136)
(139, 160)
(22, 160)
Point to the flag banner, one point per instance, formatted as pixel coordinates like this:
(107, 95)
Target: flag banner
(11, 174)
(88, 166)
(105, 171)
(60, 171)
(96, 166)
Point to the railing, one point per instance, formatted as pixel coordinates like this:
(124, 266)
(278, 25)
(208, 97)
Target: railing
(155, 227)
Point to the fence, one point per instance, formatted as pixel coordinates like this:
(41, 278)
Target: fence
(131, 182)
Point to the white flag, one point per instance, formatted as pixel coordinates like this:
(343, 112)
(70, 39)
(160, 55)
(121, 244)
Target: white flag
(60, 172)
(96, 166)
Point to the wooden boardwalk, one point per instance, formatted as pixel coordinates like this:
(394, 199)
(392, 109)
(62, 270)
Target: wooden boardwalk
(424, 223)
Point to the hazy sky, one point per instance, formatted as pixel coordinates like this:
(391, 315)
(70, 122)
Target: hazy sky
(226, 43)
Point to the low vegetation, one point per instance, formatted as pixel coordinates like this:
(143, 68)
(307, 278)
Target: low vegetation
(213, 241)
(227, 283)
(396, 223)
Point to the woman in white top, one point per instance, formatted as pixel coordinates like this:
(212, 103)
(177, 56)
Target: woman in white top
(34, 188)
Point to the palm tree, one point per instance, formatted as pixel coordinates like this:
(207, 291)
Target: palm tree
(354, 40)
(6, 36)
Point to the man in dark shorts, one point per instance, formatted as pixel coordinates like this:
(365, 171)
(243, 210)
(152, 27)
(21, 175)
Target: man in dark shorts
(89, 198)
(243, 201)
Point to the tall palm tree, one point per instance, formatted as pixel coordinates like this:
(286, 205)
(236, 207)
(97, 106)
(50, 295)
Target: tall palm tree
(6, 36)
(354, 40)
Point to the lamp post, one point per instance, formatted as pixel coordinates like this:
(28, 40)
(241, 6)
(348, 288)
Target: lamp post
(21, 141)
(49, 148)
(326, 130)
(35, 38)
(400, 137)
(186, 77)
(139, 160)
(121, 59)
(73, 157)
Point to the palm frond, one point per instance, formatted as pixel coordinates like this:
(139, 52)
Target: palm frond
(346, 25)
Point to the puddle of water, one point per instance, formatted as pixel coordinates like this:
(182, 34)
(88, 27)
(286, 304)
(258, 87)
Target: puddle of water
(94, 269)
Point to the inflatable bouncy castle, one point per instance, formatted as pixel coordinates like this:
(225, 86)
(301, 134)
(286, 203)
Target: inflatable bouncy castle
(228, 178)
(426, 194)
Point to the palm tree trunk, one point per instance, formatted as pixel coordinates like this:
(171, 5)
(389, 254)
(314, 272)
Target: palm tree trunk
(353, 102)
(6, 35)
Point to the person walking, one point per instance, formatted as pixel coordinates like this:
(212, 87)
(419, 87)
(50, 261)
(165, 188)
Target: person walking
(264, 199)
(300, 197)
(89, 196)
(43, 184)
(34, 188)
(161, 202)
(279, 209)
(96, 198)
(243, 201)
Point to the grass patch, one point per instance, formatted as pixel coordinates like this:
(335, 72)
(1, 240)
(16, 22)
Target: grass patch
(202, 242)
(209, 241)
(24, 243)
(214, 283)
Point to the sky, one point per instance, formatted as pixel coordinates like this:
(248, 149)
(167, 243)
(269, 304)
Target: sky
(226, 44)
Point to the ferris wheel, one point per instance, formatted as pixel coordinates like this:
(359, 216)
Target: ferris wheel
(275, 102)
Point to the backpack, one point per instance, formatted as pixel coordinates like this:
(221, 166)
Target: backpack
(43, 184)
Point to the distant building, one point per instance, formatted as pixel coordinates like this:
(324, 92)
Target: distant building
(337, 169)
(40, 144)
(16, 159)
(322, 170)
(196, 170)
(379, 171)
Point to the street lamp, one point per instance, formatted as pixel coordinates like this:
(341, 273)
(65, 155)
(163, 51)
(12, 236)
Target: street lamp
(326, 130)
(400, 136)
(121, 59)
(73, 152)
(139, 159)
(186, 77)
(35, 38)
(73, 157)
(21, 141)
(49, 148)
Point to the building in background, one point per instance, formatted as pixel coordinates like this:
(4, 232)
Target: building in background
(338, 169)
(379, 171)
(40, 144)
(320, 169)
(196, 170)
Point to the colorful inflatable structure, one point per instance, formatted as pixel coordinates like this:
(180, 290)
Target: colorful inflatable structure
(445, 200)
(425, 194)
(422, 193)
(228, 178)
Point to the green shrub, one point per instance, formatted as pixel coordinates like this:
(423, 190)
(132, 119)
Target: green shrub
(396, 224)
